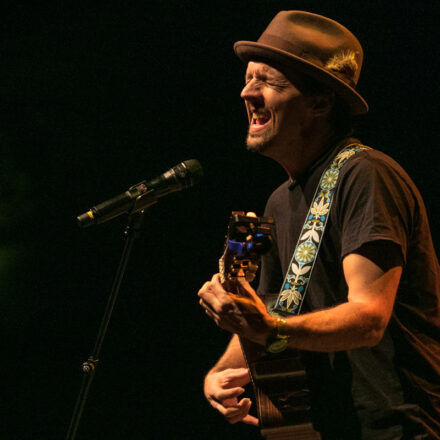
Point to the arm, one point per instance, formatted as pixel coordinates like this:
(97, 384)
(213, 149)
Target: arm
(361, 321)
(231, 358)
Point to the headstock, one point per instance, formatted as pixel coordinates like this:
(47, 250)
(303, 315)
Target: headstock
(248, 238)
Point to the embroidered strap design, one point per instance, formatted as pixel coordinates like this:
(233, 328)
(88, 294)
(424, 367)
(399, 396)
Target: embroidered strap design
(296, 281)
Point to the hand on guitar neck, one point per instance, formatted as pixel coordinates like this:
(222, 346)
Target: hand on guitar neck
(241, 312)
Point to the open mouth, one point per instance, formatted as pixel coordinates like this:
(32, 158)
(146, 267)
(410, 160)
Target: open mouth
(258, 121)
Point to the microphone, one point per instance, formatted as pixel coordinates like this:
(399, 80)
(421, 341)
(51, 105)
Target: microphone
(144, 194)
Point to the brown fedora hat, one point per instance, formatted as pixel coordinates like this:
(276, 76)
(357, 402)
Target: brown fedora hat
(314, 45)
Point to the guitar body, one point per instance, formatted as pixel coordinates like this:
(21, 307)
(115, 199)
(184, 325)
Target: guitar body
(281, 393)
(279, 380)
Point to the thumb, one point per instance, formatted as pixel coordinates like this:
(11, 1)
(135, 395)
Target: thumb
(250, 420)
(245, 290)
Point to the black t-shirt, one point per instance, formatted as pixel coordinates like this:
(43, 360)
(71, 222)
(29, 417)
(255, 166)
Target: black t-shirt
(392, 389)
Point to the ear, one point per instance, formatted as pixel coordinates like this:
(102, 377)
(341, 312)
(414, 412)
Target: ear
(322, 103)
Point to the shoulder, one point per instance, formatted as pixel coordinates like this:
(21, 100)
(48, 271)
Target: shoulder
(374, 168)
(371, 159)
(375, 200)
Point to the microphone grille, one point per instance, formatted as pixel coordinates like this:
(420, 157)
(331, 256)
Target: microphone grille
(192, 172)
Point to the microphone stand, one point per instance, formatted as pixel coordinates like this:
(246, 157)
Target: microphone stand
(89, 367)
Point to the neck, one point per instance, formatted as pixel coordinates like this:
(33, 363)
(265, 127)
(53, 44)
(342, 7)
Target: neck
(299, 154)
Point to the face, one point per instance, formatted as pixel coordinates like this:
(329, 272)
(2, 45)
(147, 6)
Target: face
(277, 110)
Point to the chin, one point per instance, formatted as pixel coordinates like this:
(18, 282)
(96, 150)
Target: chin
(255, 147)
(258, 144)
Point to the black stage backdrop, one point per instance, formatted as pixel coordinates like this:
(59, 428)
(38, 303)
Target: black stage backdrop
(97, 96)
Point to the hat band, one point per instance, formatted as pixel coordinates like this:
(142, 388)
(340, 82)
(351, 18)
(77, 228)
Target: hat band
(299, 51)
(295, 49)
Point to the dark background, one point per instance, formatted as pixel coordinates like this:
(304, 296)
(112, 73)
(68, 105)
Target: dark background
(98, 96)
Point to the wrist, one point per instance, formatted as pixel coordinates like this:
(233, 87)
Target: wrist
(270, 328)
(278, 340)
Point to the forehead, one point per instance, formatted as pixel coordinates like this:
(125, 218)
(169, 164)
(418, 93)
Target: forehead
(261, 68)
(278, 72)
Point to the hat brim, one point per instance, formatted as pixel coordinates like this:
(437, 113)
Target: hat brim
(249, 51)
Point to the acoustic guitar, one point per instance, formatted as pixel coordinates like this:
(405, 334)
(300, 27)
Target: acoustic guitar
(279, 380)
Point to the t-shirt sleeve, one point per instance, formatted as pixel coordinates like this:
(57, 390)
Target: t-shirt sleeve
(373, 202)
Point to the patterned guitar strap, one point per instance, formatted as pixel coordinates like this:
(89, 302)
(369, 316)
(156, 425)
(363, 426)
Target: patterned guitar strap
(299, 272)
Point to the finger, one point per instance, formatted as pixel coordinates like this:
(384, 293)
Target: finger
(210, 311)
(218, 406)
(205, 305)
(251, 305)
(243, 408)
(247, 418)
(228, 412)
(250, 420)
(210, 288)
(216, 279)
(233, 414)
(220, 302)
(203, 288)
(213, 289)
(210, 298)
(212, 315)
(246, 289)
(229, 394)
(237, 413)
(236, 377)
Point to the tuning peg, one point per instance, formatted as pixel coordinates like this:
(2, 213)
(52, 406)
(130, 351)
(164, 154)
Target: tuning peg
(252, 267)
(250, 276)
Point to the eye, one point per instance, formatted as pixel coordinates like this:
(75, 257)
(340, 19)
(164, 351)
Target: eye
(277, 84)
(247, 79)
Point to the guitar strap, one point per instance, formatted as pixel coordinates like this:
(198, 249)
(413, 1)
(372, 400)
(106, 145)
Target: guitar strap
(299, 272)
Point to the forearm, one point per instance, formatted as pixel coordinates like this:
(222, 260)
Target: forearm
(361, 321)
(231, 358)
(344, 327)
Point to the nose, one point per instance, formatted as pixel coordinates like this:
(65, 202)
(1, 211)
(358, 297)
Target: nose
(251, 91)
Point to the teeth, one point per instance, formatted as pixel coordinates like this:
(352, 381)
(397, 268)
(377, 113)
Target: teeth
(259, 116)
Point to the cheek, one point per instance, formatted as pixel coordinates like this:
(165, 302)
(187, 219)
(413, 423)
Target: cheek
(285, 117)
(294, 113)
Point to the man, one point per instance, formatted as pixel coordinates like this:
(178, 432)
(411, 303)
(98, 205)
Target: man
(370, 322)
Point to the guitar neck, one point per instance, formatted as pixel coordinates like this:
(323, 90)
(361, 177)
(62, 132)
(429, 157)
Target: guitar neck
(279, 380)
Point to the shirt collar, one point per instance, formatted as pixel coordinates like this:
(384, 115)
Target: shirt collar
(334, 146)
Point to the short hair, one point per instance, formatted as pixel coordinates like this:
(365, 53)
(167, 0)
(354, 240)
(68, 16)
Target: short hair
(340, 117)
